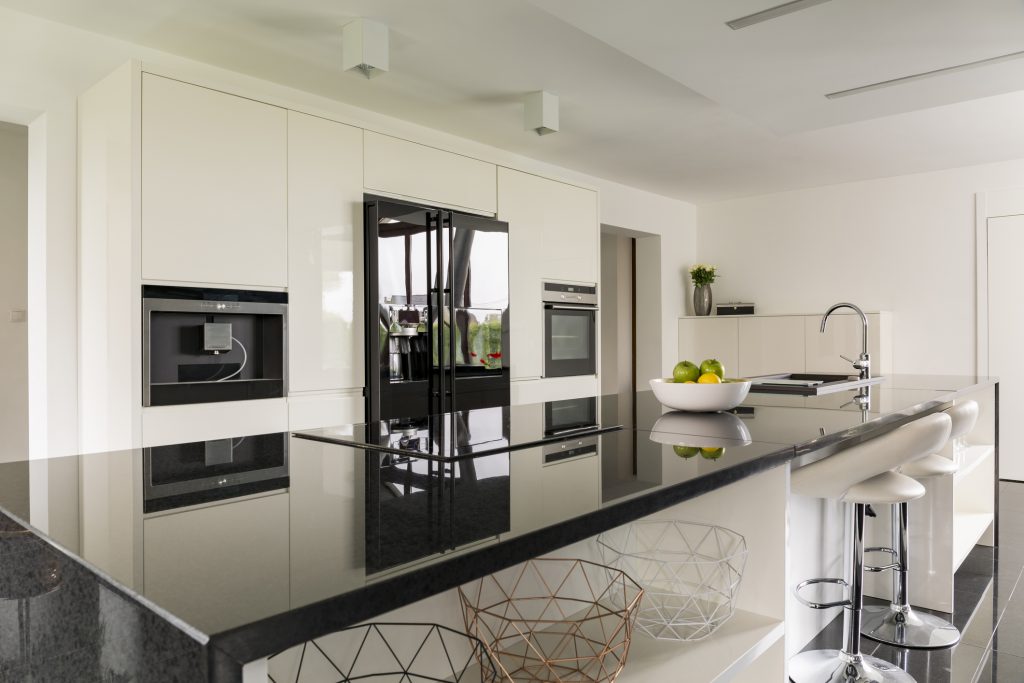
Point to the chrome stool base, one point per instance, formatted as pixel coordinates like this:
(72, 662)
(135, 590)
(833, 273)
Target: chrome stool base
(833, 666)
(915, 630)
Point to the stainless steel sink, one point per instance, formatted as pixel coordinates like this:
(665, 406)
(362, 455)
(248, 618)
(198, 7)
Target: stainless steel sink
(809, 383)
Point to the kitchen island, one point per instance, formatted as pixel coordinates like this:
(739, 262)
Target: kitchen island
(371, 519)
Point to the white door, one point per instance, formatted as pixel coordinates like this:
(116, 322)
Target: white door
(1006, 336)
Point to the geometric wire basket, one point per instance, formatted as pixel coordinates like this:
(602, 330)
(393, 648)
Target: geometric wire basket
(406, 653)
(554, 620)
(690, 574)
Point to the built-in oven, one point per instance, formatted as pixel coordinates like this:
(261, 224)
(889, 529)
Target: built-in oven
(570, 329)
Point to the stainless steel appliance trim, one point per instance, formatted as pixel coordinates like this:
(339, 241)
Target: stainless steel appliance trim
(570, 307)
(203, 306)
(559, 297)
(589, 443)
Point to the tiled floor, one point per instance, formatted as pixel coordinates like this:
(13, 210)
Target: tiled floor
(988, 610)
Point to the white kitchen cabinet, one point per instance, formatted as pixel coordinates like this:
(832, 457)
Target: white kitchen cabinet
(163, 425)
(710, 337)
(553, 235)
(542, 493)
(770, 344)
(310, 411)
(326, 500)
(222, 564)
(399, 167)
(214, 186)
(325, 273)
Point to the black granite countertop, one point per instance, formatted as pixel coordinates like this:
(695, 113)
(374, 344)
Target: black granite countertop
(335, 533)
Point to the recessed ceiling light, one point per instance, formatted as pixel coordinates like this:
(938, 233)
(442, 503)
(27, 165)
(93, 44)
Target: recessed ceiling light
(772, 13)
(924, 74)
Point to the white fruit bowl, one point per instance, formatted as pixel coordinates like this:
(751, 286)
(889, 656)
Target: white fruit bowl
(700, 398)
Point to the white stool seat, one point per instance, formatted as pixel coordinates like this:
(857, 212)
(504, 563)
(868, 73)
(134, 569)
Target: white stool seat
(964, 416)
(887, 488)
(933, 465)
(831, 477)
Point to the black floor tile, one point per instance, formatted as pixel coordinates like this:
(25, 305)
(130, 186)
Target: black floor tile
(988, 608)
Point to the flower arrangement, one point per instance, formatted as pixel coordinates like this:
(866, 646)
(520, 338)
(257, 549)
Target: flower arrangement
(703, 274)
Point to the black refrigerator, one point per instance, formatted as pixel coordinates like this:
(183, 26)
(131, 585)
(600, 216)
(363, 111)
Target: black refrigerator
(437, 318)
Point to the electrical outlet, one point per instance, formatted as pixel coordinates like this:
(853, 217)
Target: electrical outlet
(18, 316)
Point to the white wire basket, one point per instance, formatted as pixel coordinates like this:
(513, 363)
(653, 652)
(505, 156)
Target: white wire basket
(690, 574)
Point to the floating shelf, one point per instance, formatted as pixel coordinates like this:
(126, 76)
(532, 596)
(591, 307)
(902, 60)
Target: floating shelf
(968, 528)
(719, 658)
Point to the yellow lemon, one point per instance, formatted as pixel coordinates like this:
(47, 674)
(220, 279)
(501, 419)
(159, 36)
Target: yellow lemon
(709, 378)
(689, 381)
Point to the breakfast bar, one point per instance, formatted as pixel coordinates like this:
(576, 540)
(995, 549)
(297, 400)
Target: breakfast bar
(385, 521)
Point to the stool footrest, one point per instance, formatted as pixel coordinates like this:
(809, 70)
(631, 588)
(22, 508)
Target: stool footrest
(821, 605)
(895, 564)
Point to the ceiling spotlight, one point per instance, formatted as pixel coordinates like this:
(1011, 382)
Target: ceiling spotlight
(542, 112)
(364, 46)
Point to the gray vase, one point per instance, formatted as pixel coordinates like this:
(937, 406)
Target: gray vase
(702, 300)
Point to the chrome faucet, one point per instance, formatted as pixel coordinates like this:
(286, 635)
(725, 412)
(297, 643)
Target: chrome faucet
(863, 363)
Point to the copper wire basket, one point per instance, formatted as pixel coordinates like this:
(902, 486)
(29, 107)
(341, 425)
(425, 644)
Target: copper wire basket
(554, 620)
(378, 652)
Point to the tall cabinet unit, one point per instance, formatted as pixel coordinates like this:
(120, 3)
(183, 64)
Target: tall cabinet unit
(186, 185)
(554, 233)
(214, 186)
(325, 279)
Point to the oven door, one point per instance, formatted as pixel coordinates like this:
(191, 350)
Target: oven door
(570, 343)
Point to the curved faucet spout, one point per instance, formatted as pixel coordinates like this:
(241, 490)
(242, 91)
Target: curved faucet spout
(863, 363)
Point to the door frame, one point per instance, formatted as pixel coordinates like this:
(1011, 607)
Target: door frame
(988, 205)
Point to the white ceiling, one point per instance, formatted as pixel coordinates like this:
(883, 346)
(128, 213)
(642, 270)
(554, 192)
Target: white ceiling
(659, 94)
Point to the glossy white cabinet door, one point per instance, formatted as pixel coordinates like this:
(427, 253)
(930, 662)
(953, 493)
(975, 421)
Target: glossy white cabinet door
(711, 337)
(326, 496)
(220, 565)
(542, 494)
(310, 411)
(214, 186)
(770, 344)
(553, 235)
(325, 260)
(526, 313)
(400, 167)
(163, 425)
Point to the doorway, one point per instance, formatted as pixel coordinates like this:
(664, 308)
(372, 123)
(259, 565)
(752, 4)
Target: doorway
(618, 313)
(13, 291)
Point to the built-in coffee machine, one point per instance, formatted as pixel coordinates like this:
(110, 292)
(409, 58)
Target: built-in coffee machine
(202, 345)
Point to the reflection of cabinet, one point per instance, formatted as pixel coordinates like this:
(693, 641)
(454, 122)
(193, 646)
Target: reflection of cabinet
(220, 565)
(214, 204)
(543, 494)
(763, 344)
(432, 175)
(553, 234)
(325, 223)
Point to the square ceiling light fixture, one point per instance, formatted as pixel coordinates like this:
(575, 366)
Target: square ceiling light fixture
(364, 46)
(542, 112)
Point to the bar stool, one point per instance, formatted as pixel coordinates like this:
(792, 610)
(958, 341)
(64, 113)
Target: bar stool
(897, 624)
(862, 475)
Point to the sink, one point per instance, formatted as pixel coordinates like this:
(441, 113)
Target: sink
(808, 383)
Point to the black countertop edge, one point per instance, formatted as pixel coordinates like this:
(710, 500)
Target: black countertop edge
(113, 584)
(830, 444)
(504, 448)
(277, 633)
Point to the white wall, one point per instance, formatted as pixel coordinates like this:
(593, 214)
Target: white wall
(55, 63)
(13, 291)
(904, 244)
